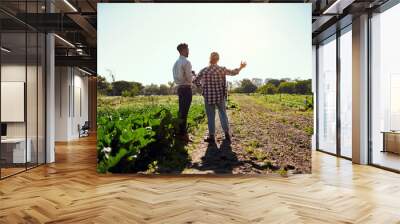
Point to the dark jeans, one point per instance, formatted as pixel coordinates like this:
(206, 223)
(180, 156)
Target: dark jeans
(185, 99)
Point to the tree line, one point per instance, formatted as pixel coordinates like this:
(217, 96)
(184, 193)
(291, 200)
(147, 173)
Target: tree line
(272, 86)
(126, 88)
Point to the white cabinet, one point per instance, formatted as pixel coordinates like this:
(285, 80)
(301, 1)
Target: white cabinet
(17, 146)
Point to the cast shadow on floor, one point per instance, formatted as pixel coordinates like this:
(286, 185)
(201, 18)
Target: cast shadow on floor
(220, 160)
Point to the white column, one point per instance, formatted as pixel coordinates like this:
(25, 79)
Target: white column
(50, 101)
(50, 92)
(360, 89)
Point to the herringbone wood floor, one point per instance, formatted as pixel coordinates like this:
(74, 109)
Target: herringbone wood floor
(70, 191)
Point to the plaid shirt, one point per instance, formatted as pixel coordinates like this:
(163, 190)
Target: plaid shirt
(212, 80)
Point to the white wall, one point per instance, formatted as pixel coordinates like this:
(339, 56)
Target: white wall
(12, 73)
(71, 94)
(80, 109)
(16, 73)
(62, 82)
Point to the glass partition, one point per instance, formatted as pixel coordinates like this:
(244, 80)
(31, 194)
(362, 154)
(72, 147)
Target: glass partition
(14, 153)
(327, 96)
(22, 78)
(385, 89)
(346, 93)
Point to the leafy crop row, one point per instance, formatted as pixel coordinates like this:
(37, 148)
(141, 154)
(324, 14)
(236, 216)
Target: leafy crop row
(138, 138)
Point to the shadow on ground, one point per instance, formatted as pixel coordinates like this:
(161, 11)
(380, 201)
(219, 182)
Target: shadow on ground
(218, 159)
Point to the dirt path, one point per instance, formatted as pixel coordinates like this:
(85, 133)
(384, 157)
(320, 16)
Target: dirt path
(263, 141)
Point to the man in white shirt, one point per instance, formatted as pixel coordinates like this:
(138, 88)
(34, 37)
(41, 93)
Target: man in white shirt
(183, 78)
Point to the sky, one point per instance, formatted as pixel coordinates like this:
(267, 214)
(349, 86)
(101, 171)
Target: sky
(137, 42)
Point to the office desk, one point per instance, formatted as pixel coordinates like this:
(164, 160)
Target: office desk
(13, 150)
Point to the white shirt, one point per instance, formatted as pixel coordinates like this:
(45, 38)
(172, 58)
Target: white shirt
(182, 71)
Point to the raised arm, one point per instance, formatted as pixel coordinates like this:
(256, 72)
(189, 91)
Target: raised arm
(233, 72)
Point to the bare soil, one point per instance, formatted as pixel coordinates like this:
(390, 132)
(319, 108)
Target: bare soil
(263, 141)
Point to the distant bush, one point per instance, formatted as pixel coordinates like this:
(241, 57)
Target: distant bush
(287, 87)
(275, 82)
(303, 87)
(103, 87)
(268, 88)
(246, 86)
(274, 86)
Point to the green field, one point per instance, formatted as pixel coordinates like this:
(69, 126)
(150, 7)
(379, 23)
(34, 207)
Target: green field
(137, 134)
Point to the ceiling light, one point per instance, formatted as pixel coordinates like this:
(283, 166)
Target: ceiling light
(86, 72)
(70, 5)
(79, 51)
(5, 50)
(337, 7)
(65, 41)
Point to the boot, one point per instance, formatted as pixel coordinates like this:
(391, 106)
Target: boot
(210, 139)
(227, 136)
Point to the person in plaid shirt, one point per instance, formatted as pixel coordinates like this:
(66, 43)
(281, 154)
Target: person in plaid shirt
(212, 80)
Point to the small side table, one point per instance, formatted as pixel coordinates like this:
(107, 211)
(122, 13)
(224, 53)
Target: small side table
(391, 141)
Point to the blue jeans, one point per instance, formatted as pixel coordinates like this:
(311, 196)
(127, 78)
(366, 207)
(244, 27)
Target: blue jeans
(210, 110)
